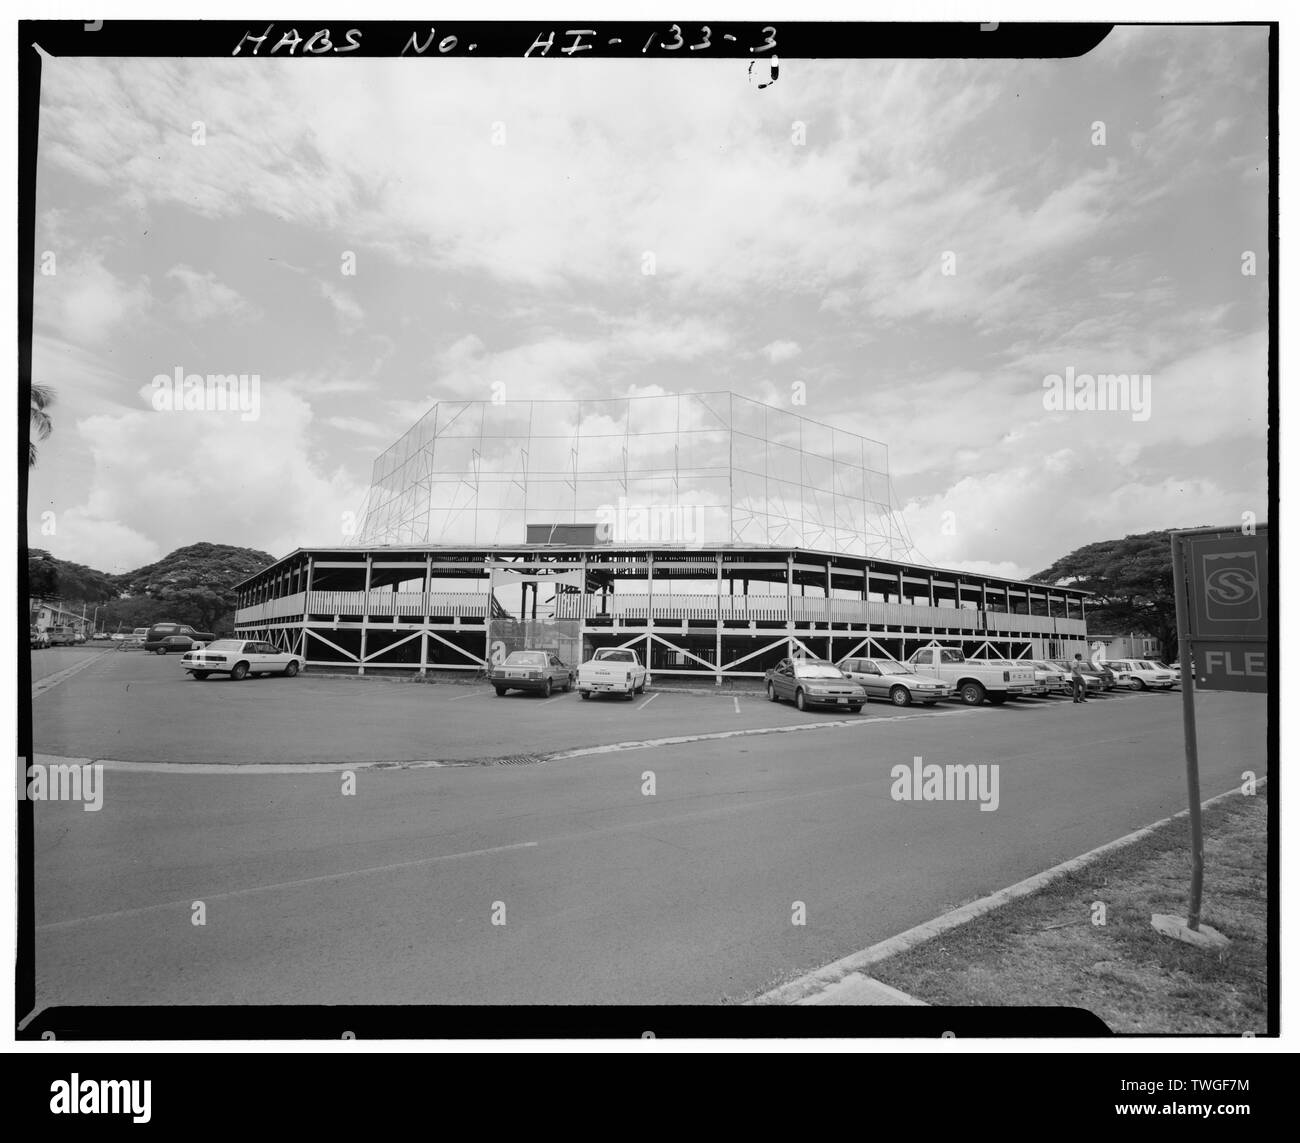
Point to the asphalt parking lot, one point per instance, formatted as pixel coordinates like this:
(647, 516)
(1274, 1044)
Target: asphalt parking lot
(135, 707)
(611, 893)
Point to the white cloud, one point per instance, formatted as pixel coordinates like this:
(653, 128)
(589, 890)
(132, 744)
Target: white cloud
(191, 476)
(203, 297)
(778, 351)
(85, 302)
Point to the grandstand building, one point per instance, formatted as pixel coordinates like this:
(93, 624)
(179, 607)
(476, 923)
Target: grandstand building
(712, 533)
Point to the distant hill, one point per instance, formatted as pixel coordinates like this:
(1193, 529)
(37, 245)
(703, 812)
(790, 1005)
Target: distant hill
(199, 565)
(194, 585)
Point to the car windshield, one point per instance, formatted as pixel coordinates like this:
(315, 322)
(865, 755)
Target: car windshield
(526, 659)
(817, 671)
(226, 645)
(887, 668)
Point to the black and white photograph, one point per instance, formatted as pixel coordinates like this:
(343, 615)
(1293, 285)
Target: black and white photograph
(557, 520)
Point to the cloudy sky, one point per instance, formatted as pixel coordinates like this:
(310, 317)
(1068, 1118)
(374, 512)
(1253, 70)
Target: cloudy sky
(500, 213)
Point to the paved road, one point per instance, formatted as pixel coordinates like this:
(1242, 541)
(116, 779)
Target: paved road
(610, 896)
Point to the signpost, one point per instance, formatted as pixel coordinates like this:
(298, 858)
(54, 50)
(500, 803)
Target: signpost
(1221, 604)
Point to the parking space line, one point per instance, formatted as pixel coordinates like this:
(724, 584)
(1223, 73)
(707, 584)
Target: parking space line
(49, 682)
(555, 698)
(718, 735)
(736, 703)
(648, 701)
(462, 698)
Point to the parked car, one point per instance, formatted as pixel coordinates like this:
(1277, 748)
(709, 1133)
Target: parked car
(889, 679)
(539, 671)
(134, 640)
(813, 682)
(613, 670)
(1094, 679)
(40, 639)
(974, 680)
(1142, 674)
(164, 637)
(1056, 679)
(240, 659)
(61, 636)
(1038, 688)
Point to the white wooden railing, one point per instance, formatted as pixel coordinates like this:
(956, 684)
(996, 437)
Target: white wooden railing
(636, 605)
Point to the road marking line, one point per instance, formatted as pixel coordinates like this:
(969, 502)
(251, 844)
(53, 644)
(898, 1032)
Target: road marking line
(683, 739)
(51, 681)
(555, 698)
(838, 980)
(462, 698)
(280, 885)
(648, 701)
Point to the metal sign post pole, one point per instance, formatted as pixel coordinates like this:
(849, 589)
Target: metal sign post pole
(1189, 731)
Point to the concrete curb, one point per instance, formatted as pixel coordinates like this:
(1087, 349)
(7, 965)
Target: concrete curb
(844, 981)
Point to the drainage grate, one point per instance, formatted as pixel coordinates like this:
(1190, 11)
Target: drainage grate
(518, 760)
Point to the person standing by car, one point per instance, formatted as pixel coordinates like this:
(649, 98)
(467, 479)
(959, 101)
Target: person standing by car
(1077, 679)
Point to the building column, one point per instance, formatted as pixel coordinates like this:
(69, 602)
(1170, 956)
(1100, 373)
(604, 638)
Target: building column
(365, 615)
(649, 604)
(789, 597)
(306, 605)
(717, 626)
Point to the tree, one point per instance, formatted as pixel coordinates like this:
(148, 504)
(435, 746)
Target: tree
(48, 577)
(1133, 580)
(41, 424)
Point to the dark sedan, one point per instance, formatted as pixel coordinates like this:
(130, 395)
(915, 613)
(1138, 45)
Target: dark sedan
(539, 671)
(813, 682)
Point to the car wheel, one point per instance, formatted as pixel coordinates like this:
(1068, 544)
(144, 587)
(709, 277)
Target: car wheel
(501, 691)
(585, 694)
(240, 672)
(641, 689)
(799, 702)
(771, 693)
(546, 690)
(200, 675)
(856, 707)
(900, 696)
(291, 669)
(160, 650)
(1136, 685)
(972, 694)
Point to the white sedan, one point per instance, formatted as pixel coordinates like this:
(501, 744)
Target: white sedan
(1142, 674)
(240, 658)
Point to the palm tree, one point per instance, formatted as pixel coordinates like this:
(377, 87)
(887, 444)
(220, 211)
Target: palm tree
(41, 425)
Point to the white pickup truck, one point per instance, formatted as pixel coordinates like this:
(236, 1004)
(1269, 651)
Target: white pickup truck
(974, 681)
(612, 670)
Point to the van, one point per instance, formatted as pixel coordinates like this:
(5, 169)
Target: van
(164, 637)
